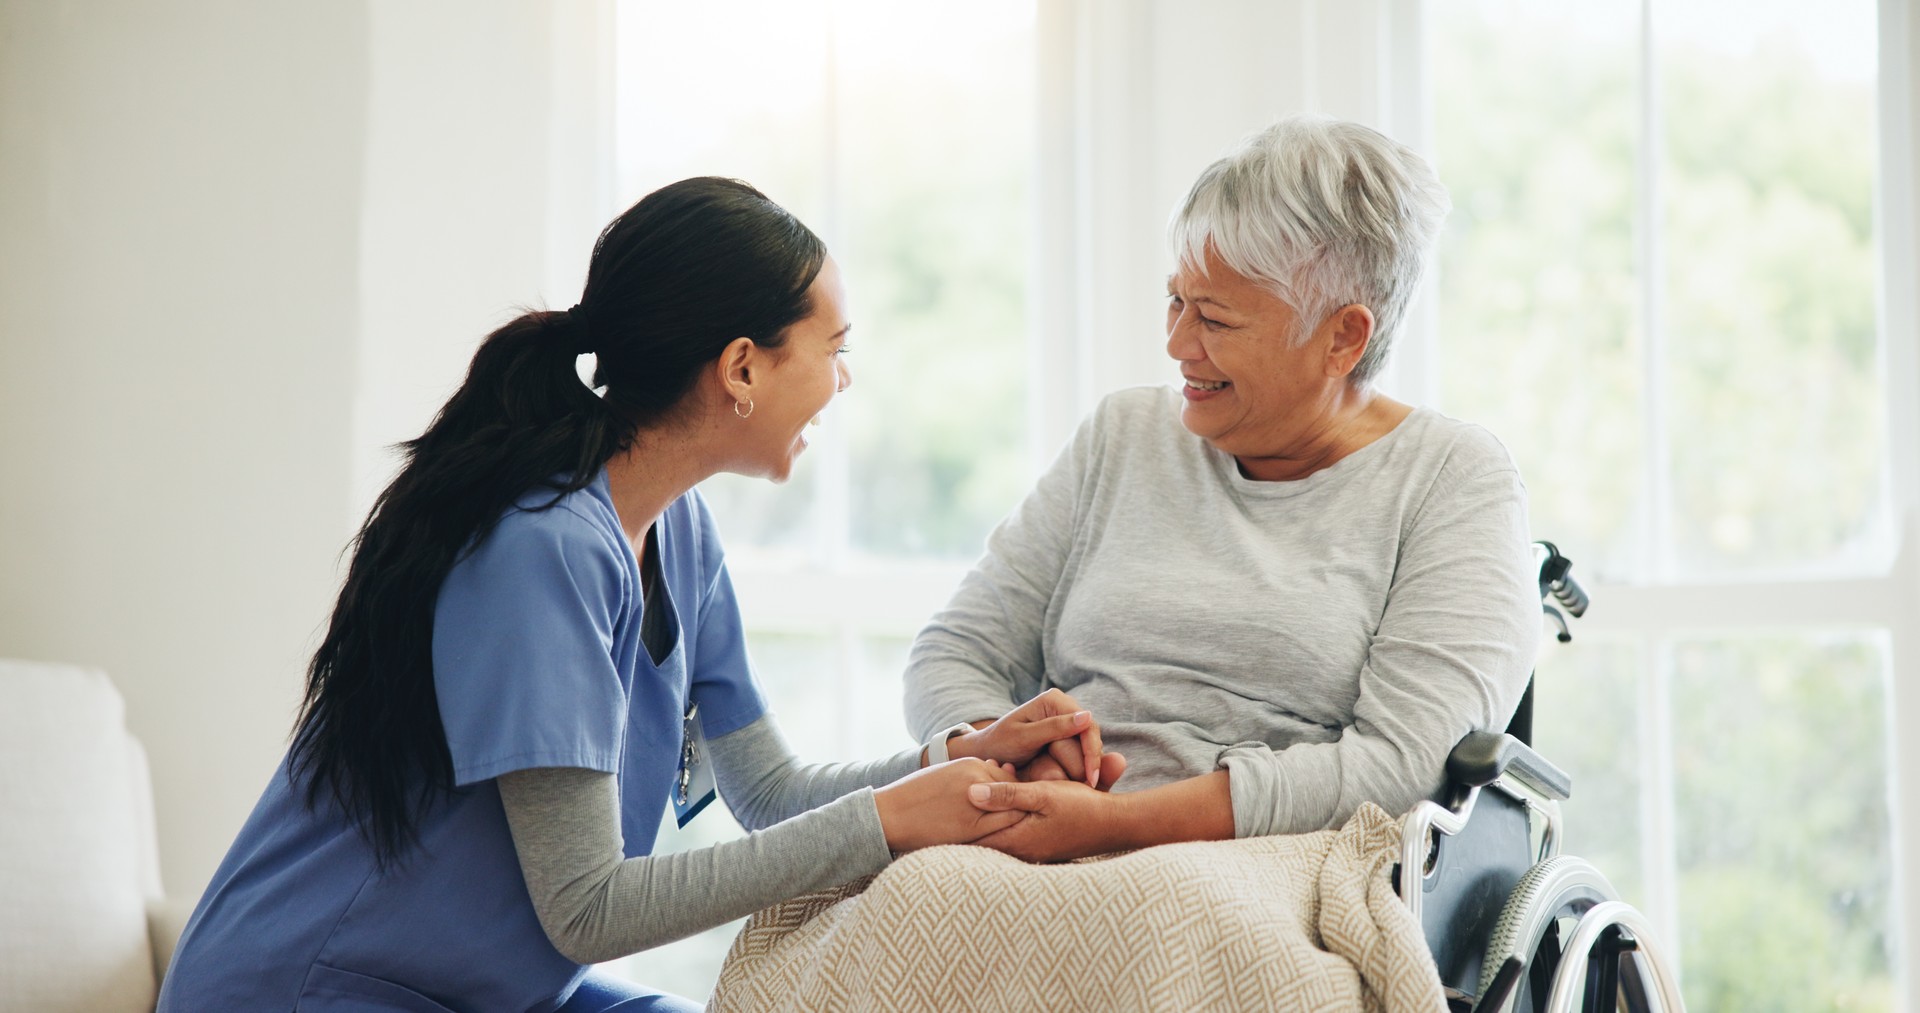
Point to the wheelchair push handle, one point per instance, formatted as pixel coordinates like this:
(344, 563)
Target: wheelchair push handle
(1556, 579)
(1569, 593)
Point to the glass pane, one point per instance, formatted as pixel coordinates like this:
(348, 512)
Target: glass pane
(1767, 187)
(937, 149)
(805, 680)
(836, 697)
(903, 134)
(880, 722)
(1535, 127)
(1783, 835)
(1587, 706)
(758, 111)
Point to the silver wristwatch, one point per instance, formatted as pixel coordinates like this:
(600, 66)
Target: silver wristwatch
(937, 746)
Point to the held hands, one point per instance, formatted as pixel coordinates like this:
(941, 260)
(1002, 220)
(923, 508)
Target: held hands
(1024, 784)
(1052, 765)
(1050, 737)
(932, 806)
(1063, 819)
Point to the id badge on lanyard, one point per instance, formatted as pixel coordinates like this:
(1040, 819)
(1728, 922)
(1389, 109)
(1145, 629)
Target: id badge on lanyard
(694, 787)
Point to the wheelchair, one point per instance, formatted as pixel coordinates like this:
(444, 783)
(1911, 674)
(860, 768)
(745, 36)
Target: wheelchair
(1514, 925)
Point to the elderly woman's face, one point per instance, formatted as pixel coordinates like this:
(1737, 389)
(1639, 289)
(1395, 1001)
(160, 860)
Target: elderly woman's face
(1250, 391)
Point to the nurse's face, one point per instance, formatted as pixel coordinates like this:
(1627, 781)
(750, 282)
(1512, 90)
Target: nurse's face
(802, 376)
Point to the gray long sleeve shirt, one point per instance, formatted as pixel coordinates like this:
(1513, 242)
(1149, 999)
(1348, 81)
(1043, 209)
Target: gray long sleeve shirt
(813, 825)
(1327, 641)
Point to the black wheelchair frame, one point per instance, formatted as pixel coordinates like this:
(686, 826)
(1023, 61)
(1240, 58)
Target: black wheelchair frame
(1513, 924)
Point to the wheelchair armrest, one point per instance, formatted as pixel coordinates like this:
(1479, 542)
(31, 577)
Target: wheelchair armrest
(1483, 756)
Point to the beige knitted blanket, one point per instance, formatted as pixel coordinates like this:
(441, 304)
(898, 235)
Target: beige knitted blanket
(1302, 922)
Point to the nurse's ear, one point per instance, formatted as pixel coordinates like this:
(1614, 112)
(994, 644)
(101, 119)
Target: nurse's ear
(736, 369)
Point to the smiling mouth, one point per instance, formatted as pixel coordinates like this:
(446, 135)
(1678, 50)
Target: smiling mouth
(1208, 385)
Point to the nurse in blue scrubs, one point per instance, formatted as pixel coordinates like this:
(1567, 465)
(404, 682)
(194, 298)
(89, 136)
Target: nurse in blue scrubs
(537, 650)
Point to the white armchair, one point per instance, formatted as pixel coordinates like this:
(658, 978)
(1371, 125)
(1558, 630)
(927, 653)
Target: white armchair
(84, 924)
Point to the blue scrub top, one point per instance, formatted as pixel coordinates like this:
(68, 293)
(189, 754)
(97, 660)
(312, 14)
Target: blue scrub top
(537, 663)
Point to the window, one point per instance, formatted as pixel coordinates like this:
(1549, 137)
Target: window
(1659, 287)
(903, 134)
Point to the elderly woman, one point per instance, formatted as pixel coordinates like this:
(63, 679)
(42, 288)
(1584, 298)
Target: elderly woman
(1281, 592)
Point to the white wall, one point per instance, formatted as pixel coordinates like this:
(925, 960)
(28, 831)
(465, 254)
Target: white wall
(243, 246)
(485, 187)
(179, 234)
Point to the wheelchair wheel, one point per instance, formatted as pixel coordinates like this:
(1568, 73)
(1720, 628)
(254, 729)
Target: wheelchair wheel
(1535, 926)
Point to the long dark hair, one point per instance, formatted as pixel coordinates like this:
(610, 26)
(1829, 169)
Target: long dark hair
(673, 280)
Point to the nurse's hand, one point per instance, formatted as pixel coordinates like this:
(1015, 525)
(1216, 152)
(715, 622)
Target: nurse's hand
(1051, 724)
(930, 806)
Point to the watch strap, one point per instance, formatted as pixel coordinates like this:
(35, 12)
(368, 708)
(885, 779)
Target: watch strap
(937, 746)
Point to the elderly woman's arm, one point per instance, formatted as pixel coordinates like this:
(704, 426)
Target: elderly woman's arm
(983, 654)
(1458, 637)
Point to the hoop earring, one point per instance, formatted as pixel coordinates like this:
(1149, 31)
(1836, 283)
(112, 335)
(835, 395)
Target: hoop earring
(748, 413)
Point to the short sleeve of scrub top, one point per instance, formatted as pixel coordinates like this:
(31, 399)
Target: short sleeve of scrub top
(525, 660)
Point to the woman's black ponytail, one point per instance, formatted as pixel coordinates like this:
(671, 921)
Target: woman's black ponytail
(673, 280)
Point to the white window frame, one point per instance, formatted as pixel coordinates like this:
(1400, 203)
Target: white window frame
(1899, 218)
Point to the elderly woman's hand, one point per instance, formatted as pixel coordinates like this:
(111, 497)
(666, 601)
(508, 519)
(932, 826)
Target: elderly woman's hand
(1049, 725)
(1064, 819)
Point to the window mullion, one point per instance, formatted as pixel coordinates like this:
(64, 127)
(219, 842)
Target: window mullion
(1658, 841)
(1658, 858)
(832, 495)
(1058, 339)
(1657, 554)
(1896, 221)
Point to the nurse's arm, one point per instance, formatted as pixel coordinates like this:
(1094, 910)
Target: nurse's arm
(596, 904)
(763, 782)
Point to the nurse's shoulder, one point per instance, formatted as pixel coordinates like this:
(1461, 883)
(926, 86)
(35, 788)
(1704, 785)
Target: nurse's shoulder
(571, 538)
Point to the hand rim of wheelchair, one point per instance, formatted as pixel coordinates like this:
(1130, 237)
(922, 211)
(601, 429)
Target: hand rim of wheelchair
(1613, 916)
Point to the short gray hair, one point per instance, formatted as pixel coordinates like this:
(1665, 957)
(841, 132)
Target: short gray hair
(1324, 212)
